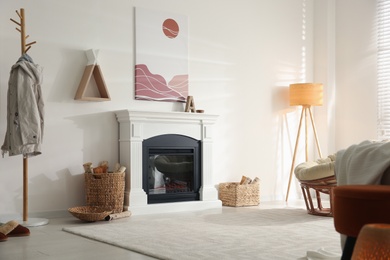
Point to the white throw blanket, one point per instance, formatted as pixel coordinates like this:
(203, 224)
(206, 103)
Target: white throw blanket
(362, 163)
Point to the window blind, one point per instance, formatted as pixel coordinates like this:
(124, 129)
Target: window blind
(383, 63)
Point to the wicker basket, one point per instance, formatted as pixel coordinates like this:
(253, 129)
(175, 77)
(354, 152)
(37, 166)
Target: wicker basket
(105, 190)
(236, 195)
(89, 214)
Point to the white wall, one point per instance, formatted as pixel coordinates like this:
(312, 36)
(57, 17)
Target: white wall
(356, 87)
(242, 57)
(324, 71)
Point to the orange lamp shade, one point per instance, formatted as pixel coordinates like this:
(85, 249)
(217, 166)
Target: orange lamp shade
(306, 94)
(373, 242)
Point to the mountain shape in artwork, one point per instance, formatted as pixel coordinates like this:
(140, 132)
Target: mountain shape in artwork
(149, 86)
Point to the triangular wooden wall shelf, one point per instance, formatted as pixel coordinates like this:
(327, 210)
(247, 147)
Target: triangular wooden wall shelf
(101, 85)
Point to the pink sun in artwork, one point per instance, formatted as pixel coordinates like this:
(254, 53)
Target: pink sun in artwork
(170, 28)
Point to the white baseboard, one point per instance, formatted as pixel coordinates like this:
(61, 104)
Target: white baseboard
(46, 214)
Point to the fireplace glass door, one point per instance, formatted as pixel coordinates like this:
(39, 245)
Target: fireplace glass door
(171, 169)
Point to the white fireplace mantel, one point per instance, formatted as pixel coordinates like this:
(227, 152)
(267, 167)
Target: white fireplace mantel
(136, 126)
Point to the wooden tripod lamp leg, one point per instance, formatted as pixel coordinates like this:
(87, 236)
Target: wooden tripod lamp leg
(306, 135)
(305, 110)
(25, 188)
(295, 153)
(315, 134)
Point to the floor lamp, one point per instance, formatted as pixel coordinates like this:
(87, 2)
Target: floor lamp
(305, 95)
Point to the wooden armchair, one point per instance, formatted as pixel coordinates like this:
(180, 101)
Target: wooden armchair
(317, 177)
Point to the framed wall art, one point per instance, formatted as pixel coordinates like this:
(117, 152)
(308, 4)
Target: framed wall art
(161, 56)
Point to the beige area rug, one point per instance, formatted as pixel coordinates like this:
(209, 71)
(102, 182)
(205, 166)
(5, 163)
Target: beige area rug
(238, 233)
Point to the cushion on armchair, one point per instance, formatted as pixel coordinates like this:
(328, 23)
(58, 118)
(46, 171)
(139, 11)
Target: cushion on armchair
(314, 170)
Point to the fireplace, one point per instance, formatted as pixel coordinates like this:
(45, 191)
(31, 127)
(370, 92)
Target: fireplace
(141, 135)
(171, 168)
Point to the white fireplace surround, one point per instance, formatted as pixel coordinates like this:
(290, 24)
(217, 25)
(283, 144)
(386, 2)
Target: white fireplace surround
(136, 126)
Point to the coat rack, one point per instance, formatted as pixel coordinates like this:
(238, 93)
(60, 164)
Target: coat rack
(24, 48)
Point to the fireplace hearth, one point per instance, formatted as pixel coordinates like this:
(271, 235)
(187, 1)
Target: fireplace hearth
(193, 149)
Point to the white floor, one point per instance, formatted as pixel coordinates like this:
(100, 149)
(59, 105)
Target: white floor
(50, 242)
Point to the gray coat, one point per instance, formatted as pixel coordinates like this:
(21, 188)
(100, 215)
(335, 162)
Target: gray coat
(25, 109)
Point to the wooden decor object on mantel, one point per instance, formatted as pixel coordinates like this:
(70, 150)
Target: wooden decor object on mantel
(190, 106)
(92, 68)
